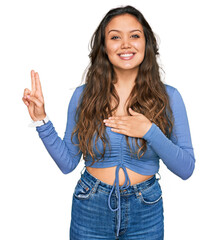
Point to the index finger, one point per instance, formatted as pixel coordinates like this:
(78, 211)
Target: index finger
(33, 86)
(119, 118)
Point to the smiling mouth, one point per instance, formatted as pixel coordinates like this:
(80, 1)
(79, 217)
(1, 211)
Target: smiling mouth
(126, 56)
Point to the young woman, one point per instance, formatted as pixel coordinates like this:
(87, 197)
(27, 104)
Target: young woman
(123, 120)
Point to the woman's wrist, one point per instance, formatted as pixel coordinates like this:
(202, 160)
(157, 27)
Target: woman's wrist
(39, 123)
(41, 118)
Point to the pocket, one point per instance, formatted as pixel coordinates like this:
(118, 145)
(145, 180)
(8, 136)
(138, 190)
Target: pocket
(151, 195)
(82, 190)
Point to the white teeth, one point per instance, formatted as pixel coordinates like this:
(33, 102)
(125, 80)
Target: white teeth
(126, 55)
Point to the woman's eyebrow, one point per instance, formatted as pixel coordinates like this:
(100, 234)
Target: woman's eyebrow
(121, 31)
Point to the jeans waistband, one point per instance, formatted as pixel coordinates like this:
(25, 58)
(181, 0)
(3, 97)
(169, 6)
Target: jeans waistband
(91, 180)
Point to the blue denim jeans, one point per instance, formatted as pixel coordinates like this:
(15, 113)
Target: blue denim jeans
(141, 211)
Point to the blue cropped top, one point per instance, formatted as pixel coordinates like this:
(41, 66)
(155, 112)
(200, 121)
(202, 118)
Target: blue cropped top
(176, 152)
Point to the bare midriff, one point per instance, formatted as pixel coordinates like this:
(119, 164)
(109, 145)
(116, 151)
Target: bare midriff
(107, 175)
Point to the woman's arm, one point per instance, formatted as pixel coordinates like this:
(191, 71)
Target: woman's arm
(64, 152)
(177, 152)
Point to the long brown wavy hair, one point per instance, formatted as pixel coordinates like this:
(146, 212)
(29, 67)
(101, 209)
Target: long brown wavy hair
(148, 96)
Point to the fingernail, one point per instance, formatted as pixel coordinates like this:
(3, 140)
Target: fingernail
(28, 96)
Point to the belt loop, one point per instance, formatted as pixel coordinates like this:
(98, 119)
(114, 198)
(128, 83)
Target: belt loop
(95, 186)
(159, 176)
(136, 190)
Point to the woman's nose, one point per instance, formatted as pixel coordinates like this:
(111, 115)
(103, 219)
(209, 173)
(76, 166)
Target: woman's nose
(125, 43)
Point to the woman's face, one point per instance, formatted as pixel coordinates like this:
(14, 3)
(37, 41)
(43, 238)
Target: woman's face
(125, 42)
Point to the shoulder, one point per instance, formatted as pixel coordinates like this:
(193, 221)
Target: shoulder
(175, 98)
(172, 92)
(170, 89)
(80, 89)
(76, 95)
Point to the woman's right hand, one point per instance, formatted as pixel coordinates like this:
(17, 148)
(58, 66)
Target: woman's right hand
(34, 99)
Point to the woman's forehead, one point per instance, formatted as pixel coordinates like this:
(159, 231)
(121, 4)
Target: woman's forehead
(125, 22)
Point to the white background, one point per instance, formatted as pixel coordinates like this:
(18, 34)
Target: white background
(52, 38)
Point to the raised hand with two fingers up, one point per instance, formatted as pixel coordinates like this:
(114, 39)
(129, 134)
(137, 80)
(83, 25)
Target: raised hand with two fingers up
(34, 99)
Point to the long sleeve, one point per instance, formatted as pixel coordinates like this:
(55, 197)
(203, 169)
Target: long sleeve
(176, 152)
(63, 152)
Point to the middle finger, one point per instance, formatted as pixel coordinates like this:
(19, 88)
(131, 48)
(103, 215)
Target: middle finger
(37, 83)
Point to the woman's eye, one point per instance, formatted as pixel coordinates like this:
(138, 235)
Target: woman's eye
(135, 36)
(114, 37)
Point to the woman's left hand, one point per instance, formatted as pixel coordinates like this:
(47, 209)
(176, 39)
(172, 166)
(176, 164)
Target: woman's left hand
(136, 125)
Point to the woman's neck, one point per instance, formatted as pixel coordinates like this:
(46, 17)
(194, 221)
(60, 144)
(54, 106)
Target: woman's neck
(125, 78)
